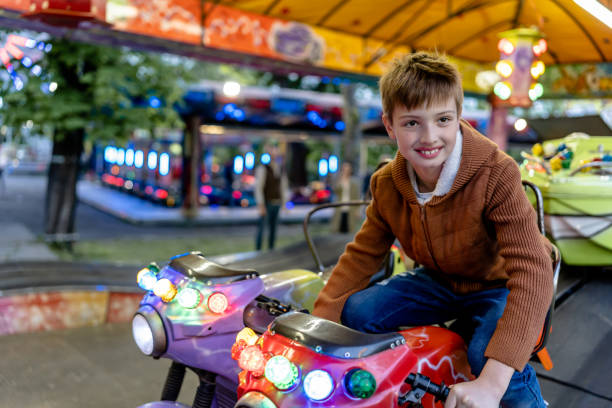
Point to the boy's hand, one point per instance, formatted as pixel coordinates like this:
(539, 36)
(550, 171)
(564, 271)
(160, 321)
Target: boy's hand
(472, 394)
(484, 392)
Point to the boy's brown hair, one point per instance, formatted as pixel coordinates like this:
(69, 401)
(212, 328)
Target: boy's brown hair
(420, 79)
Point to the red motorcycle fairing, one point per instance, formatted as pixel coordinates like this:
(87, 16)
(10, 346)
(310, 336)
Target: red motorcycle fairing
(435, 352)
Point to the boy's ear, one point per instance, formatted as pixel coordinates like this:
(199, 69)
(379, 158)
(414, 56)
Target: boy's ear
(388, 126)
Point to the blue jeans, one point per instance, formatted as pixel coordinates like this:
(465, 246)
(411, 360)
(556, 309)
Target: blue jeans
(272, 220)
(415, 299)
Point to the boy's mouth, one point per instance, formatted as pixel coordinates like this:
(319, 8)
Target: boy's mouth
(428, 153)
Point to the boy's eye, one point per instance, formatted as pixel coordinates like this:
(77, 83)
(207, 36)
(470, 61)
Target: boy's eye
(411, 123)
(445, 119)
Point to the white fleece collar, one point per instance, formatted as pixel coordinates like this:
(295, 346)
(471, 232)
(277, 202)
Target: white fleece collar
(447, 175)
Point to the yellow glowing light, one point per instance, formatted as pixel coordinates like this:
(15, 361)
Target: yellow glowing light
(165, 290)
(537, 69)
(504, 68)
(248, 335)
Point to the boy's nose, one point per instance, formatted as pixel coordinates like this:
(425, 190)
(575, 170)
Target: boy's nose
(428, 135)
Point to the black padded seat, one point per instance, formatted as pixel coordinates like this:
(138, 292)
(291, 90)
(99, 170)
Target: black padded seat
(327, 337)
(194, 264)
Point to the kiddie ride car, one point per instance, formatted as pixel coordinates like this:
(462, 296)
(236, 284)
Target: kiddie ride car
(194, 308)
(305, 361)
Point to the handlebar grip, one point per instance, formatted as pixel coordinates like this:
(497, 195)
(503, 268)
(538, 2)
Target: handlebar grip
(439, 391)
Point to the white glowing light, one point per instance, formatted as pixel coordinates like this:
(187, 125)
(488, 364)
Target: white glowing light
(231, 88)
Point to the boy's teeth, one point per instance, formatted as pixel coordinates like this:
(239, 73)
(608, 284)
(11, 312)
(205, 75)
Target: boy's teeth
(429, 152)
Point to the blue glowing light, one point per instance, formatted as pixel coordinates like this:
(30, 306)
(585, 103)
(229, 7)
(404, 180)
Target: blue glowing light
(321, 123)
(48, 47)
(238, 164)
(249, 160)
(289, 205)
(129, 157)
(26, 62)
(120, 156)
(323, 167)
(337, 81)
(313, 116)
(110, 154)
(164, 164)
(265, 158)
(228, 108)
(36, 70)
(18, 83)
(220, 116)
(139, 159)
(333, 163)
(340, 126)
(152, 160)
(41, 46)
(154, 102)
(325, 80)
(238, 114)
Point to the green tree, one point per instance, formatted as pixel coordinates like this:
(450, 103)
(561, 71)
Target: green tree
(98, 92)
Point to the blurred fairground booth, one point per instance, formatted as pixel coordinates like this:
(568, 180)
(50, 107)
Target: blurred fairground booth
(526, 66)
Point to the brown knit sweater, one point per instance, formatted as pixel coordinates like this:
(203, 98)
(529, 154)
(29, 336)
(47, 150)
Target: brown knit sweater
(480, 235)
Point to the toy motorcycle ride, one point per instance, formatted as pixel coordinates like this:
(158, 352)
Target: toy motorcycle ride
(306, 361)
(194, 308)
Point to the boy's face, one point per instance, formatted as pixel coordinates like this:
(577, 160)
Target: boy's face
(425, 136)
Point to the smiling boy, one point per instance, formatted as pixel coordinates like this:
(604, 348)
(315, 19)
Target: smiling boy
(455, 203)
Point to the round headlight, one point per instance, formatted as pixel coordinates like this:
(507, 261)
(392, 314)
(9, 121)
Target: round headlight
(148, 331)
(143, 335)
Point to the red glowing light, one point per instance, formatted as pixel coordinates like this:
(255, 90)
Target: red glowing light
(236, 194)
(252, 359)
(217, 302)
(505, 45)
(540, 47)
(206, 189)
(149, 190)
(161, 194)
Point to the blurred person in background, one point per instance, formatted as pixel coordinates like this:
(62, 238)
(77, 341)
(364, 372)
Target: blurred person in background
(4, 163)
(271, 189)
(346, 218)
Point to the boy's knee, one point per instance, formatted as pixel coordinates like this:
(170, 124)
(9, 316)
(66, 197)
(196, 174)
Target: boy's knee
(355, 314)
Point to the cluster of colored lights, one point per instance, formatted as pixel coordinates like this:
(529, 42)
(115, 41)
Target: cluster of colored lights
(318, 384)
(11, 50)
(129, 157)
(505, 68)
(186, 296)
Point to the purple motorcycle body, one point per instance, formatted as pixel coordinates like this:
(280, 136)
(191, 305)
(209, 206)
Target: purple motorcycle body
(200, 339)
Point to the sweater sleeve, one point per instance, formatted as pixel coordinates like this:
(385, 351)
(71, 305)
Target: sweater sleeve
(528, 265)
(361, 259)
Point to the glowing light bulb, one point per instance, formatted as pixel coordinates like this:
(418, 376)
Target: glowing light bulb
(505, 45)
(189, 298)
(146, 279)
(503, 90)
(165, 290)
(217, 302)
(520, 125)
(248, 335)
(252, 359)
(504, 68)
(318, 385)
(281, 372)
